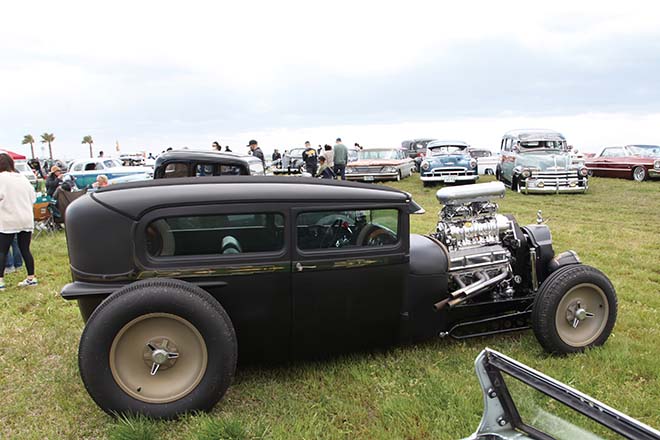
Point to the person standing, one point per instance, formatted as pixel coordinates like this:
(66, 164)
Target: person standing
(327, 153)
(311, 159)
(340, 157)
(14, 260)
(17, 198)
(276, 155)
(227, 149)
(256, 151)
(216, 146)
(54, 180)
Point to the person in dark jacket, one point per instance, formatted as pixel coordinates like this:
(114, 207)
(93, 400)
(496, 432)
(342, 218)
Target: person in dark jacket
(276, 155)
(325, 172)
(311, 159)
(54, 180)
(256, 151)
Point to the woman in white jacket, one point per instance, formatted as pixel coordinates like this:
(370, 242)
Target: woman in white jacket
(16, 217)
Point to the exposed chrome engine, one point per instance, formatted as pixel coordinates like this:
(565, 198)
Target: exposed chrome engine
(475, 236)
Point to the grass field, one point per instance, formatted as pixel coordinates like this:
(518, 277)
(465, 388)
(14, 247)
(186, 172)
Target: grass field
(419, 392)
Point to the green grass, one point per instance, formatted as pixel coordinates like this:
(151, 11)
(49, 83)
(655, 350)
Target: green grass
(418, 392)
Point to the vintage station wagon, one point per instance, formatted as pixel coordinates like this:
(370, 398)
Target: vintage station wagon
(178, 278)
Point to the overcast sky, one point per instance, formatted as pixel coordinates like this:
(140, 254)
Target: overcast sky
(151, 75)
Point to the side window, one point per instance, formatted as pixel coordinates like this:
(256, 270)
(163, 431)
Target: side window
(90, 166)
(78, 166)
(99, 166)
(215, 234)
(203, 170)
(347, 229)
(176, 170)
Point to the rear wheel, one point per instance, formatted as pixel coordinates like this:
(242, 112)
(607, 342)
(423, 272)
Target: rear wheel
(575, 309)
(639, 174)
(158, 347)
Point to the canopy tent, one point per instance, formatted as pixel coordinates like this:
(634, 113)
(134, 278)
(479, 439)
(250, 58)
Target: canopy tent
(13, 155)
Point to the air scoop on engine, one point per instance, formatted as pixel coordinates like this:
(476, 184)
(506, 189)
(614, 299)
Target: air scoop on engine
(478, 192)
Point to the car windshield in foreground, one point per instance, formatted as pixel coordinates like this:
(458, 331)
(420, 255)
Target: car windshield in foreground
(645, 150)
(541, 144)
(447, 149)
(377, 154)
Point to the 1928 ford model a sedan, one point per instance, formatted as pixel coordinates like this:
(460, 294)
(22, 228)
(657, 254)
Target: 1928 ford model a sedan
(178, 278)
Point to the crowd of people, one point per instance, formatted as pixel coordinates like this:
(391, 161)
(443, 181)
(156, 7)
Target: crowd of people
(327, 162)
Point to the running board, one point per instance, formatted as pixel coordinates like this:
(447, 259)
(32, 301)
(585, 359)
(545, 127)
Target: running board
(511, 322)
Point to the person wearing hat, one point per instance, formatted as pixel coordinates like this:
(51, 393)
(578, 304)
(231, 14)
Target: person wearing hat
(54, 180)
(340, 157)
(256, 151)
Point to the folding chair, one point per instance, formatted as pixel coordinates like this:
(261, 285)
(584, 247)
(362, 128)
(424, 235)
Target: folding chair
(43, 219)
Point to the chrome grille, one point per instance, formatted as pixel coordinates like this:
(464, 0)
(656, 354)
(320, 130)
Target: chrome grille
(371, 169)
(449, 171)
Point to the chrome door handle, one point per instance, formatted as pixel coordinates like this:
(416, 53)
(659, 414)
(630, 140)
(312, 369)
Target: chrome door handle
(300, 267)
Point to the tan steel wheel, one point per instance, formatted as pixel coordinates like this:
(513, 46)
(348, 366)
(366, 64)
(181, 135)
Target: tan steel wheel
(158, 358)
(582, 315)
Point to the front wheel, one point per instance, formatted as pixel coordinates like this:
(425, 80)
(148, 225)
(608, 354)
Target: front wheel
(639, 174)
(159, 348)
(575, 309)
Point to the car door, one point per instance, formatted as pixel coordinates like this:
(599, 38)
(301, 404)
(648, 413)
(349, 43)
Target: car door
(349, 275)
(507, 160)
(240, 255)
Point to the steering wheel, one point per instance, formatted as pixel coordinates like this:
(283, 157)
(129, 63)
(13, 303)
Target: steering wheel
(375, 235)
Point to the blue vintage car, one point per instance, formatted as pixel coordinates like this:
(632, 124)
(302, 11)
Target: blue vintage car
(448, 161)
(85, 171)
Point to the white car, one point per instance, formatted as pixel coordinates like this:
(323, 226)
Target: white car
(486, 160)
(23, 168)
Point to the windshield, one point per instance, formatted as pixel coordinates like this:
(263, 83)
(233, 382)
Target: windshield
(447, 149)
(377, 154)
(541, 144)
(480, 153)
(111, 163)
(645, 150)
(21, 167)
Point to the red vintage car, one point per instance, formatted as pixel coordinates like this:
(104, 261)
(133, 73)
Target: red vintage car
(638, 162)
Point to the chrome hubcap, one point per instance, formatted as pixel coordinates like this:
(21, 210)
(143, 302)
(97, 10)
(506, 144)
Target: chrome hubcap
(575, 314)
(160, 354)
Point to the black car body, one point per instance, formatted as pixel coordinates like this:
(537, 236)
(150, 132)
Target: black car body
(416, 149)
(276, 268)
(191, 163)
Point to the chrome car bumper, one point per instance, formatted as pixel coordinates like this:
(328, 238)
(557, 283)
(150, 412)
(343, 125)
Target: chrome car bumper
(654, 173)
(448, 178)
(532, 185)
(370, 177)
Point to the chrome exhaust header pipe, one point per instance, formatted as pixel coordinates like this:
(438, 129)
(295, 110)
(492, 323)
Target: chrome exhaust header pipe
(478, 192)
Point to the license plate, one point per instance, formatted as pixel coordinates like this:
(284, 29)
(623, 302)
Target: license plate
(368, 178)
(450, 179)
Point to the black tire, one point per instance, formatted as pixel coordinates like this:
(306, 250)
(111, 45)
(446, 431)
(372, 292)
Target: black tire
(639, 174)
(162, 298)
(549, 311)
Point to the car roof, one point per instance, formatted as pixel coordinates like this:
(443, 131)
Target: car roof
(200, 156)
(445, 143)
(535, 134)
(135, 198)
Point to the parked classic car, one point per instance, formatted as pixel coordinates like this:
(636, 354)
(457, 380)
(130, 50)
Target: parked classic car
(448, 161)
(23, 168)
(191, 163)
(291, 163)
(537, 161)
(416, 149)
(521, 403)
(486, 160)
(637, 162)
(380, 164)
(86, 171)
(176, 278)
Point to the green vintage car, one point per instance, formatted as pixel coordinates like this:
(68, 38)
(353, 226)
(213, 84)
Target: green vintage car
(538, 161)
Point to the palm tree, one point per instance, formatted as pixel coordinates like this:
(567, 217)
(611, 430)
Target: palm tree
(47, 138)
(88, 140)
(28, 139)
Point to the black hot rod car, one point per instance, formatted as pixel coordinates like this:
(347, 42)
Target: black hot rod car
(178, 278)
